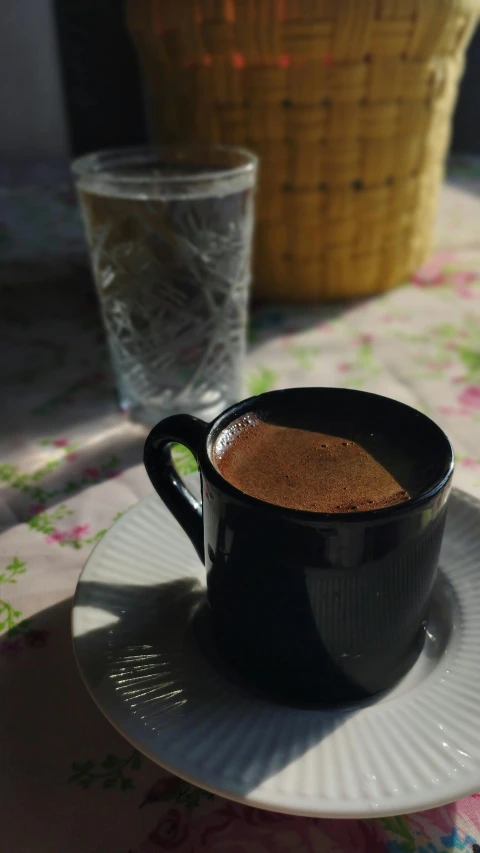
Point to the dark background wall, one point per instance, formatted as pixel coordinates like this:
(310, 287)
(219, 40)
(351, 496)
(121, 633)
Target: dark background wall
(101, 77)
(466, 124)
(103, 90)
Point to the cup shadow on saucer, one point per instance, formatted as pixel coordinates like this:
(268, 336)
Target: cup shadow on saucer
(156, 670)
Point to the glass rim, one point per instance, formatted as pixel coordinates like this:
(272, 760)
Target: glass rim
(90, 166)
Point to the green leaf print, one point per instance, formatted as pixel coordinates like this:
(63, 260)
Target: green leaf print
(9, 616)
(44, 522)
(446, 330)
(191, 797)
(43, 471)
(305, 356)
(10, 572)
(471, 360)
(7, 472)
(365, 357)
(363, 366)
(261, 381)
(172, 789)
(28, 482)
(400, 827)
(185, 461)
(110, 772)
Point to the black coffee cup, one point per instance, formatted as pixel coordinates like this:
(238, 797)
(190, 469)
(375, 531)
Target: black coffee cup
(313, 606)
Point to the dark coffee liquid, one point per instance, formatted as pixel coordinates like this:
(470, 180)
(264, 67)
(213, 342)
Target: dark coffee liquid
(304, 469)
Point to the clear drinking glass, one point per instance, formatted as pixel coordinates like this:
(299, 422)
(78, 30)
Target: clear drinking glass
(170, 235)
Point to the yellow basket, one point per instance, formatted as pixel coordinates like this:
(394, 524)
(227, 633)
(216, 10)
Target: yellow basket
(347, 102)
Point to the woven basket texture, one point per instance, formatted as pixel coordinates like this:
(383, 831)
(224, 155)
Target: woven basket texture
(347, 102)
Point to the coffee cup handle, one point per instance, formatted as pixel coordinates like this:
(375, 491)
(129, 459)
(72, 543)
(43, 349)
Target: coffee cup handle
(157, 458)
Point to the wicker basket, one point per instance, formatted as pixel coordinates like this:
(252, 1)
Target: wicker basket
(348, 103)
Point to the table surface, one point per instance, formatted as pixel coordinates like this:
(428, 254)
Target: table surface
(70, 465)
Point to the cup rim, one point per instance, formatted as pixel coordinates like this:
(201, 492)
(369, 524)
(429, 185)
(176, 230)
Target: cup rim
(363, 516)
(89, 166)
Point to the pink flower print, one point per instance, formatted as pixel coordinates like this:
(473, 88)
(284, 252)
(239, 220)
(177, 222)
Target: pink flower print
(469, 462)
(35, 508)
(241, 829)
(71, 457)
(461, 280)
(470, 396)
(56, 536)
(78, 531)
(463, 291)
(454, 411)
(366, 339)
(11, 646)
(426, 279)
(92, 473)
(432, 273)
(344, 367)
(438, 365)
(61, 442)
(171, 832)
(36, 639)
(443, 819)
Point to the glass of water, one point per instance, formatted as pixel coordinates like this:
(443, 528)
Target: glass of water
(170, 235)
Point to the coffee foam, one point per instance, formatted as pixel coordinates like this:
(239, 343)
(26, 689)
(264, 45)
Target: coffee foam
(303, 469)
(227, 437)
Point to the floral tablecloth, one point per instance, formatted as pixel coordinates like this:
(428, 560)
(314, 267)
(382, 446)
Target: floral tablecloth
(70, 465)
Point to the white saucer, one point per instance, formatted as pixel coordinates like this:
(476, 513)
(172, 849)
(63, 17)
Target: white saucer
(141, 639)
